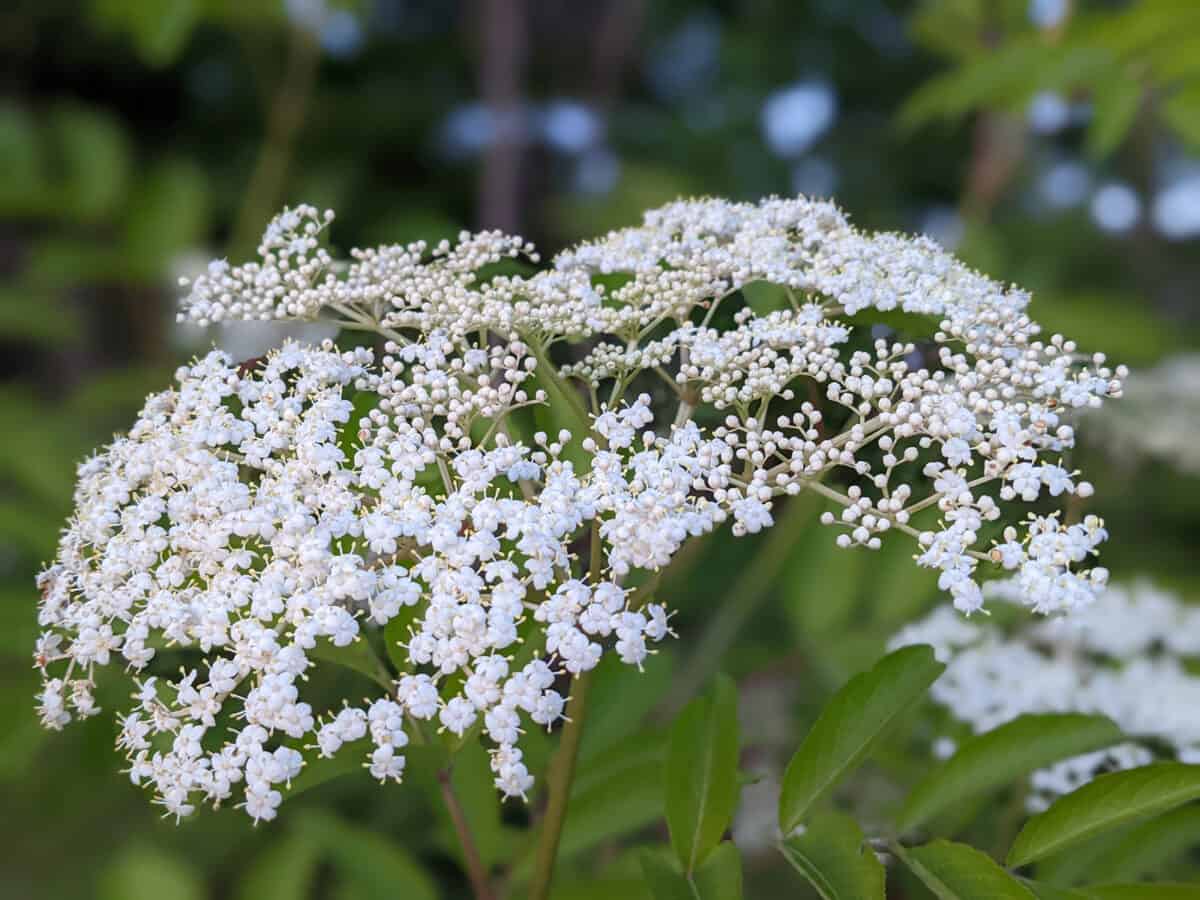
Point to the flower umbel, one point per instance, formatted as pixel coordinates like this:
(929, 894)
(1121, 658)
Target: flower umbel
(1127, 657)
(262, 513)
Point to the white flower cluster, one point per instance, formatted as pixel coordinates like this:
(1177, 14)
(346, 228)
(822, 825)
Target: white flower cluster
(1161, 421)
(261, 513)
(1130, 656)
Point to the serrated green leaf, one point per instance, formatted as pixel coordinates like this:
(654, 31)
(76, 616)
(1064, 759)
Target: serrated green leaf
(992, 760)
(1106, 802)
(850, 722)
(832, 855)
(718, 878)
(958, 872)
(701, 773)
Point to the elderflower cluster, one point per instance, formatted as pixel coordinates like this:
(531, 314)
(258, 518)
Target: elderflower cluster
(1160, 421)
(1130, 656)
(263, 515)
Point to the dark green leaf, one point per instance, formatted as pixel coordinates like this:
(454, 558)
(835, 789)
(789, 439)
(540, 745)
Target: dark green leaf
(317, 770)
(1161, 890)
(284, 871)
(958, 872)
(701, 773)
(850, 722)
(1107, 802)
(357, 656)
(1149, 846)
(832, 855)
(764, 297)
(370, 864)
(146, 873)
(718, 878)
(1000, 756)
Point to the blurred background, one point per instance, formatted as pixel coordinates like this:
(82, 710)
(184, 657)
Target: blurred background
(1051, 143)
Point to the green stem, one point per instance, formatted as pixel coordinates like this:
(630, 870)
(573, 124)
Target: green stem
(285, 117)
(747, 594)
(562, 769)
(547, 372)
(476, 871)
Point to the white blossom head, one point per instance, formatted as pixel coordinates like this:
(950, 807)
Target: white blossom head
(694, 370)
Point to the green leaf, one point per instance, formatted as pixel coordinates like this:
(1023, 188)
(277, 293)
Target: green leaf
(1108, 801)
(357, 656)
(1160, 890)
(701, 773)
(619, 791)
(370, 864)
(319, 769)
(96, 161)
(148, 873)
(472, 779)
(1000, 756)
(563, 396)
(159, 28)
(831, 854)
(1075, 864)
(764, 297)
(958, 872)
(1181, 111)
(1044, 891)
(284, 871)
(850, 722)
(397, 632)
(1115, 105)
(1149, 846)
(167, 214)
(620, 698)
(719, 878)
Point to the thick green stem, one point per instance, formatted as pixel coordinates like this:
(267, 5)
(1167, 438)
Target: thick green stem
(559, 779)
(562, 769)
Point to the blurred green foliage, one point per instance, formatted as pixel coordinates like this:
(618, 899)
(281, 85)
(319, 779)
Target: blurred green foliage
(132, 141)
